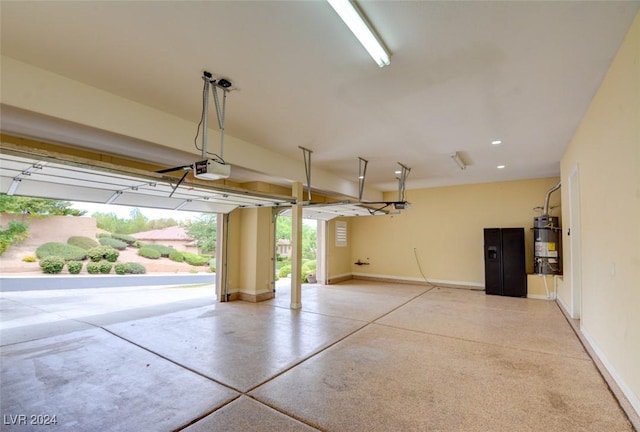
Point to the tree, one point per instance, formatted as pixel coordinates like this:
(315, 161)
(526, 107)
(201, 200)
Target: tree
(137, 222)
(203, 231)
(37, 206)
(309, 236)
(283, 228)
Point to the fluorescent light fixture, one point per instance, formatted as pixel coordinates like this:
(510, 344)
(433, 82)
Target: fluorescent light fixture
(456, 158)
(496, 142)
(113, 197)
(361, 29)
(182, 204)
(14, 186)
(500, 166)
(397, 172)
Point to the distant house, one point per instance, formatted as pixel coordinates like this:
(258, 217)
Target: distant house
(283, 247)
(174, 236)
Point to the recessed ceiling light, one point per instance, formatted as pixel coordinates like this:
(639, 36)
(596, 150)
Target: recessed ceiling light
(500, 166)
(496, 142)
(398, 172)
(361, 177)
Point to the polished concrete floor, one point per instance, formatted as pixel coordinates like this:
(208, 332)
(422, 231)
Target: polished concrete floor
(357, 357)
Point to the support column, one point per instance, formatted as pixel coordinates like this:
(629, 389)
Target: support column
(296, 247)
(222, 282)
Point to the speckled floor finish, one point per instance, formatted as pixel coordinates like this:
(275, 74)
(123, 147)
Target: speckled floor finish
(359, 356)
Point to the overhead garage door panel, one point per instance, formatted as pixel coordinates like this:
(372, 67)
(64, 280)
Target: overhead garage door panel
(331, 211)
(46, 176)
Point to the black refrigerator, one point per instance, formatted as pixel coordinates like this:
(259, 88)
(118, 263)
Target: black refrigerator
(504, 262)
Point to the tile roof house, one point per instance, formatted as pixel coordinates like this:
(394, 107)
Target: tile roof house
(174, 236)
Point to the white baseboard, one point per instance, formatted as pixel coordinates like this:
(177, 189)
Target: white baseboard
(566, 307)
(628, 393)
(539, 297)
(419, 280)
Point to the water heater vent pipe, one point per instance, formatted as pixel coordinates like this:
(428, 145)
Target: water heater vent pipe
(545, 211)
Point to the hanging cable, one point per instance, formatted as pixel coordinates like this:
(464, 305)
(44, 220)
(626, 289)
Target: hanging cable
(210, 82)
(362, 174)
(307, 169)
(415, 253)
(404, 173)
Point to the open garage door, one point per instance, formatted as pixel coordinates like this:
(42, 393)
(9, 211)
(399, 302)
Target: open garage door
(45, 175)
(326, 212)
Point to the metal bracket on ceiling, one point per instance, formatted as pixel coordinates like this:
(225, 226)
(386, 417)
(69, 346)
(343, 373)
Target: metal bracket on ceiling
(404, 173)
(225, 86)
(307, 169)
(362, 174)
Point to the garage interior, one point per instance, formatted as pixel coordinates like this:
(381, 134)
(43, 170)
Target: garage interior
(483, 110)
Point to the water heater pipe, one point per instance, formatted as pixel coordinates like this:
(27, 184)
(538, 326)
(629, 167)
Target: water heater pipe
(545, 211)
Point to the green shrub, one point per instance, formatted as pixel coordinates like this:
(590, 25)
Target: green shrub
(125, 238)
(116, 244)
(29, 258)
(85, 243)
(52, 264)
(100, 253)
(176, 256)
(110, 254)
(309, 267)
(280, 264)
(74, 267)
(105, 267)
(135, 268)
(16, 232)
(195, 259)
(103, 235)
(129, 268)
(164, 250)
(96, 254)
(93, 267)
(212, 265)
(120, 268)
(66, 251)
(284, 271)
(149, 253)
(5, 243)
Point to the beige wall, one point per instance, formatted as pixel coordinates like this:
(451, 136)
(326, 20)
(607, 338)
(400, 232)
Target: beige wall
(338, 258)
(256, 248)
(53, 228)
(606, 152)
(443, 231)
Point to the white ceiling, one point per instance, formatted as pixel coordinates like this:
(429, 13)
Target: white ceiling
(462, 74)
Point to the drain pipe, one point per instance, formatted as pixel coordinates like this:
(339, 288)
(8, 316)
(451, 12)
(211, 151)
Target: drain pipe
(545, 211)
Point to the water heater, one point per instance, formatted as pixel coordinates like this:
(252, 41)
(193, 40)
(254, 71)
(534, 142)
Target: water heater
(547, 247)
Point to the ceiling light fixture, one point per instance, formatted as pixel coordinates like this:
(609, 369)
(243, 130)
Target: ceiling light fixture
(14, 186)
(496, 142)
(500, 166)
(456, 158)
(359, 26)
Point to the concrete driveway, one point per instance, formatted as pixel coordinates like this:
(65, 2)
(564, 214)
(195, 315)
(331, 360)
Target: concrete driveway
(34, 314)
